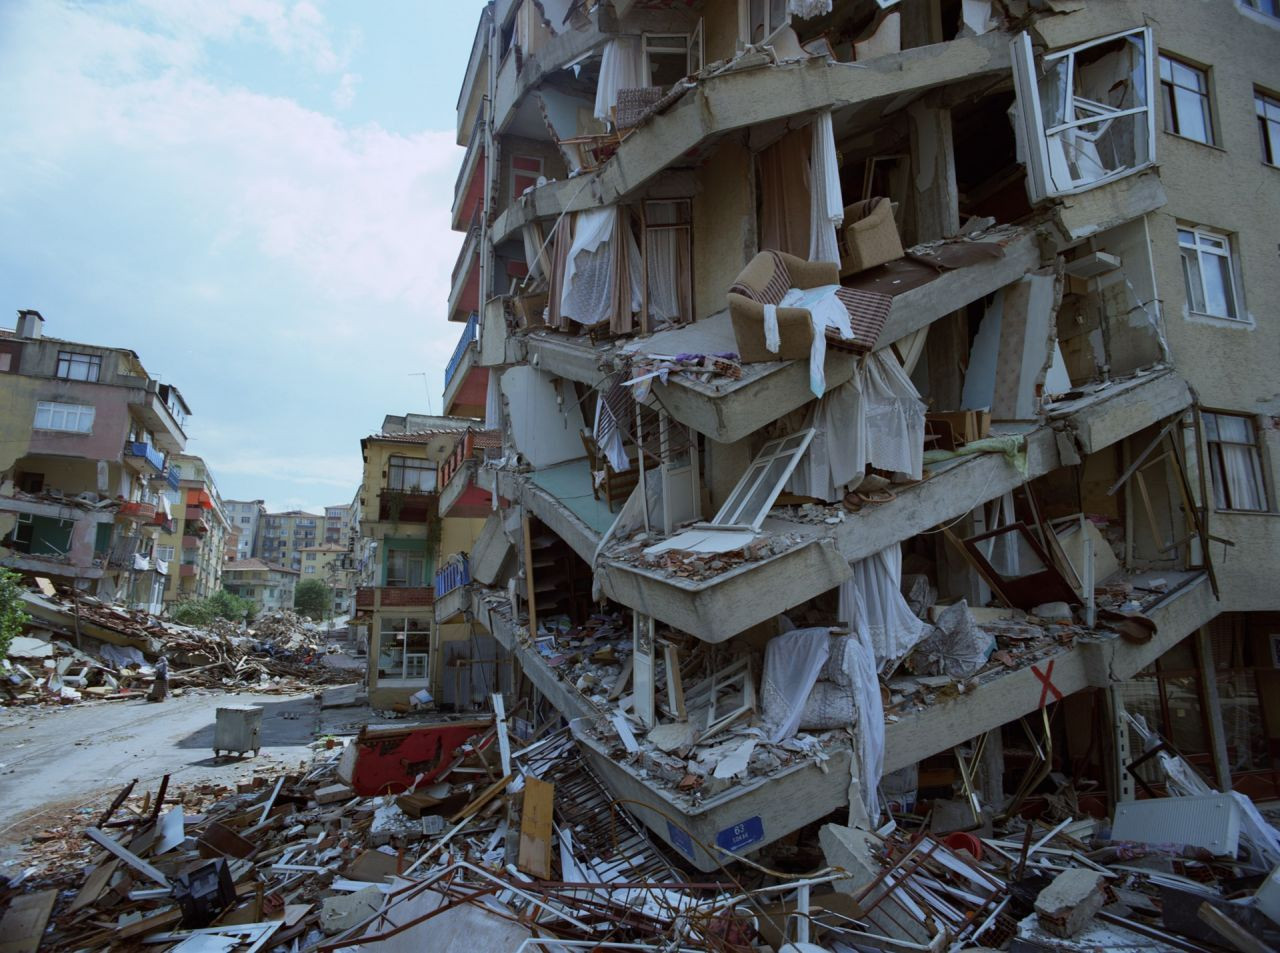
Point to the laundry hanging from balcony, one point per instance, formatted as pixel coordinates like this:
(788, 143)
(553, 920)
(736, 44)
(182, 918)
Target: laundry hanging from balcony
(621, 67)
(871, 600)
(826, 205)
(874, 419)
(599, 269)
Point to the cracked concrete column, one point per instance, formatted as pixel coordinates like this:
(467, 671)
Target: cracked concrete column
(1213, 709)
(935, 209)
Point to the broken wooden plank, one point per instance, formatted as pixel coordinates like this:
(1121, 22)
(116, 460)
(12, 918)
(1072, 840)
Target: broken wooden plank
(1232, 932)
(130, 858)
(485, 797)
(120, 798)
(23, 925)
(504, 742)
(94, 884)
(535, 828)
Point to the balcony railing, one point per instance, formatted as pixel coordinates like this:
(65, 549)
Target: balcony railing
(143, 451)
(137, 510)
(395, 597)
(456, 573)
(465, 341)
(407, 506)
(173, 477)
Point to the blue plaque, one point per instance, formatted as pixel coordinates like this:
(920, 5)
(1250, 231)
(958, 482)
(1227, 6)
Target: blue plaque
(740, 836)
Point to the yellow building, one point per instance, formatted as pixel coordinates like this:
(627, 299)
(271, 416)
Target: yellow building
(399, 501)
(197, 536)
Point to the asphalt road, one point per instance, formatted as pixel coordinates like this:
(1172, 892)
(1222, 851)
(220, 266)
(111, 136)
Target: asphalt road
(53, 761)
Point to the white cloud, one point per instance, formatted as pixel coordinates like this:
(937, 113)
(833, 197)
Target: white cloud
(360, 211)
(345, 94)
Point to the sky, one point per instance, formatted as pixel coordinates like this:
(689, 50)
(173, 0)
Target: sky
(254, 196)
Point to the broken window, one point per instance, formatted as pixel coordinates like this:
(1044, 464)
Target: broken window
(1016, 566)
(525, 171)
(670, 57)
(1234, 462)
(1208, 271)
(761, 19)
(1085, 113)
(1268, 110)
(753, 497)
(1185, 91)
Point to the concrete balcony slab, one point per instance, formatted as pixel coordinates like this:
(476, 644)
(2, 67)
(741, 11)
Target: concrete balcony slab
(1096, 662)
(718, 609)
(739, 99)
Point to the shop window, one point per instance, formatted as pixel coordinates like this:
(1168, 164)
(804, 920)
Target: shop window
(1084, 113)
(1184, 90)
(1234, 462)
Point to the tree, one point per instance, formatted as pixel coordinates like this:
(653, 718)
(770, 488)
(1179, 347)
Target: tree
(12, 616)
(221, 605)
(313, 598)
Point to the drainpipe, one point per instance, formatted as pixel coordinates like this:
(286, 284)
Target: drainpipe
(490, 169)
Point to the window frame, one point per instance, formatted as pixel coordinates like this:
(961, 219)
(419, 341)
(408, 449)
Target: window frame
(1204, 237)
(52, 407)
(67, 360)
(744, 23)
(733, 510)
(1220, 487)
(403, 465)
(1169, 100)
(1043, 172)
(1255, 6)
(1268, 140)
(516, 192)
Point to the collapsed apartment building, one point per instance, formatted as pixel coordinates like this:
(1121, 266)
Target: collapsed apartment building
(883, 392)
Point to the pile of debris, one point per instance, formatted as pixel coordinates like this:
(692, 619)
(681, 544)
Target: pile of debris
(77, 648)
(459, 835)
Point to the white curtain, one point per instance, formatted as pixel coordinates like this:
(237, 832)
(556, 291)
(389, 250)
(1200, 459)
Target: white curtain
(587, 283)
(826, 208)
(893, 416)
(792, 663)
(664, 261)
(876, 418)
(1238, 484)
(807, 9)
(621, 67)
(871, 599)
(858, 663)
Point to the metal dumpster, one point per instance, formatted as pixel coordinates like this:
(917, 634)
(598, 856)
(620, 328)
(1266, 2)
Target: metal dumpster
(238, 728)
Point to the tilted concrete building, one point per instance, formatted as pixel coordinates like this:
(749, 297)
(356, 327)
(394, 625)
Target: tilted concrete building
(1048, 378)
(87, 442)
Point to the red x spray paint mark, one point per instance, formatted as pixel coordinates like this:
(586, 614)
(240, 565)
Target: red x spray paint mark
(1047, 686)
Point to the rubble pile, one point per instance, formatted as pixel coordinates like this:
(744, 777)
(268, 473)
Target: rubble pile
(118, 648)
(496, 841)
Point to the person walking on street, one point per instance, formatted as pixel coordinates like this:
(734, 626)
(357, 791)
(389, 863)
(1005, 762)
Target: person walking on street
(160, 687)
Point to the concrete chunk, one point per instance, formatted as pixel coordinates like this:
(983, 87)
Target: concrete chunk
(1066, 906)
(345, 911)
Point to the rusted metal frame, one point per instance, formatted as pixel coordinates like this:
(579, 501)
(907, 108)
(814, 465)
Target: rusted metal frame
(416, 921)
